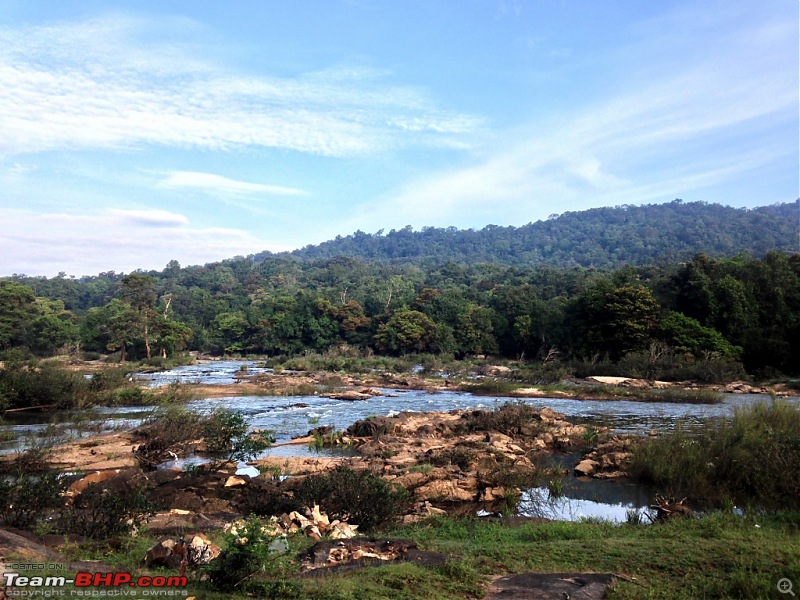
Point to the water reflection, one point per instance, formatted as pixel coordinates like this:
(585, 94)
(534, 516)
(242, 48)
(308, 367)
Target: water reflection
(291, 416)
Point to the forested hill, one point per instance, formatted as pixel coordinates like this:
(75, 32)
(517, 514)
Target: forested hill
(600, 237)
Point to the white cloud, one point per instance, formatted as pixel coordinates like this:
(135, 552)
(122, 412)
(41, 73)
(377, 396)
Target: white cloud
(148, 218)
(97, 84)
(217, 184)
(687, 128)
(119, 240)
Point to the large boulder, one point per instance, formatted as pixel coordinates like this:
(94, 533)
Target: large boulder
(194, 549)
(586, 468)
(372, 427)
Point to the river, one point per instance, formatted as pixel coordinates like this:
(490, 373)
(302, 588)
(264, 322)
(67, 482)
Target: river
(291, 416)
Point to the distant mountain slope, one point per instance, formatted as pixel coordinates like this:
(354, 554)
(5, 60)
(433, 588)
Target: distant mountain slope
(600, 237)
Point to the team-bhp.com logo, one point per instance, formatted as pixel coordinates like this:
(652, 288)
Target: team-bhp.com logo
(88, 584)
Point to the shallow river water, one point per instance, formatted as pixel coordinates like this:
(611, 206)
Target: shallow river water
(291, 416)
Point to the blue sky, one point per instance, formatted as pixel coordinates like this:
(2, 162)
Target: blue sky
(135, 133)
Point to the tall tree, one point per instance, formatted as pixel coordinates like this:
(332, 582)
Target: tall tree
(139, 291)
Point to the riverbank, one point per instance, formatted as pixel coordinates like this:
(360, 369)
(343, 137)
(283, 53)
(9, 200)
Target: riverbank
(500, 384)
(455, 462)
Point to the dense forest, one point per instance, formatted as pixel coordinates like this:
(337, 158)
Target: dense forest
(603, 238)
(707, 318)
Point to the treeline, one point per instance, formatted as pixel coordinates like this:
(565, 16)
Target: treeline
(729, 312)
(605, 238)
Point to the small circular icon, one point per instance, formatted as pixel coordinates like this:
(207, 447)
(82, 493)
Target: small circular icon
(785, 586)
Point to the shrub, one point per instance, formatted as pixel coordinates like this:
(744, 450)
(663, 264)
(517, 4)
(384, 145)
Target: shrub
(460, 457)
(101, 512)
(110, 378)
(265, 499)
(26, 498)
(359, 497)
(512, 418)
(245, 554)
(227, 438)
(172, 428)
(25, 385)
(753, 457)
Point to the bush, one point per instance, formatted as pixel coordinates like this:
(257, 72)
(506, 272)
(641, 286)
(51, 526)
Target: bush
(460, 457)
(362, 498)
(245, 554)
(26, 498)
(169, 429)
(265, 499)
(110, 378)
(512, 418)
(751, 458)
(24, 385)
(101, 512)
(227, 438)
(176, 429)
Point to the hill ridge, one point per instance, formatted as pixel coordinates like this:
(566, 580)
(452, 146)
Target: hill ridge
(605, 237)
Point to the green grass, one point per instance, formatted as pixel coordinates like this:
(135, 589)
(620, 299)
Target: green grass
(719, 556)
(752, 458)
(491, 387)
(675, 395)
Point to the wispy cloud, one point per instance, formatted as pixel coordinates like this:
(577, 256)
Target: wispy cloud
(148, 218)
(217, 184)
(119, 240)
(631, 148)
(98, 84)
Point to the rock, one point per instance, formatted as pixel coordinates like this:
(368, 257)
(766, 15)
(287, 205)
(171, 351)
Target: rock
(195, 549)
(586, 467)
(363, 552)
(280, 545)
(350, 395)
(313, 532)
(584, 586)
(372, 427)
(608, 380)
(97, 477)
(741, 387)
(636, 383)
(401, 461)
(236, 481)
(614, 460)
(610, 475)
(411, 480)
(444, 491)
(513, 448)
(342, 531)
(493, 494)
(200, 551)
(161, 554)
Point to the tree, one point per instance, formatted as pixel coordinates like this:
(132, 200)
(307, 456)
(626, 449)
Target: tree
(228, 331)
(38, 324)
(613, 321)
(53, 328)
(474, 333)
(139, 291)
(121, 324)
(17, 313)
(687, 335)
(406, 331)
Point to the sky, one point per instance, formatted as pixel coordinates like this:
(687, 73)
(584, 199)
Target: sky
(136, 133)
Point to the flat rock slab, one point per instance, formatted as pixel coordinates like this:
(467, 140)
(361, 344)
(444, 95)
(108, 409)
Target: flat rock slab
(339, 555)
(551, 586)
(24, 550)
